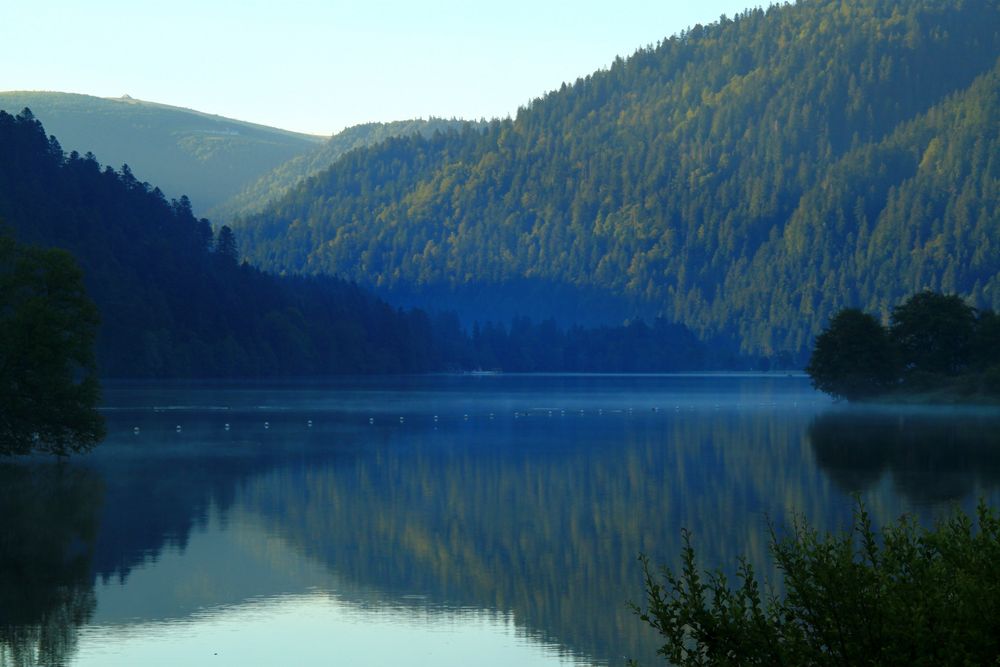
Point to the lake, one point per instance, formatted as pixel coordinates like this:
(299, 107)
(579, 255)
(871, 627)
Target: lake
(440, 520)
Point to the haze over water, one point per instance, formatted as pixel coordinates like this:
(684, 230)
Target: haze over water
(437, 520)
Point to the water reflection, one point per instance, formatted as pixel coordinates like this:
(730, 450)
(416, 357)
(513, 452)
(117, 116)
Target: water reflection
(526, 527)
(931, 457)
(50, 521)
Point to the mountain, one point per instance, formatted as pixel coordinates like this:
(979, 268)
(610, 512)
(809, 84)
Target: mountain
(175, 302)
(256, 196)
(184, 152)
(746, 178)
(172, 298)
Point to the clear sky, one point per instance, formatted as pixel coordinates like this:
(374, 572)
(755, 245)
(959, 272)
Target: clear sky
(320, 65)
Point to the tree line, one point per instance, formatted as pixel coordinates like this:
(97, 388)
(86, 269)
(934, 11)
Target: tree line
(933, 342)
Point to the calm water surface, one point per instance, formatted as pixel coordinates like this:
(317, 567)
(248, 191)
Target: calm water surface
(436, 520)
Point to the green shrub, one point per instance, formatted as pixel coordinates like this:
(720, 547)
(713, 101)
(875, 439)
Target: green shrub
(907, 596)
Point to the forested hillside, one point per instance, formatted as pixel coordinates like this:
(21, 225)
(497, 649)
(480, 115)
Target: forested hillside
(184, 152)
(173, 300)
(747, 178)
(257, 195)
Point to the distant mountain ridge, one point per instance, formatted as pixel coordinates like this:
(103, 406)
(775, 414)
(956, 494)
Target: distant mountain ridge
(746, 178)
(184, 152)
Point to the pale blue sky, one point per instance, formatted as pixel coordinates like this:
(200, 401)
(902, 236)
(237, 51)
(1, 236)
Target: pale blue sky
(319, 66)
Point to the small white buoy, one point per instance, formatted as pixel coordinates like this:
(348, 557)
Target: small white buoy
(435, 417)
(491, 415)
(267, 425)
(600, 411)
(309, 423)
(227, 426)
(135, 430)
(465, 417)
(401, 420)
(178, 428)
(371, 420)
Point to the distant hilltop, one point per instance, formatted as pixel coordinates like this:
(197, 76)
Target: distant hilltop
(184, 152)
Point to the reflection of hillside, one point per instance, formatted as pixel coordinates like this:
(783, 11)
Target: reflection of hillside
(162, 484)
(49, 515)
(538, 518)
(543, 518)
(932, 458)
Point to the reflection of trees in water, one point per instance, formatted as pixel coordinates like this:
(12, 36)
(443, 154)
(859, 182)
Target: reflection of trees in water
(50, 521)
(932, 458)
(155, 499)
(543, 521)
(541, 518)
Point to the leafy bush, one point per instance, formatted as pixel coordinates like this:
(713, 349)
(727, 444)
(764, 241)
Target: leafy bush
(907, 596)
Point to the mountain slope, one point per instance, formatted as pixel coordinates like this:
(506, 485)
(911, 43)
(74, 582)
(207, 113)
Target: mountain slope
(175, 302)
(184, 152)
(673, 179)
(256, 196)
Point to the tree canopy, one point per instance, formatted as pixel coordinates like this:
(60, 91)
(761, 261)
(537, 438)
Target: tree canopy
(48, 375)
(934, 332)
(933, 342)
(853, 358)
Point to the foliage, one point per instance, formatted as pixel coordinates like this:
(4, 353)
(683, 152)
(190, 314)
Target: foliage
(930, 345)
(905, 596)
(208, 158)
(48, 375)
(853, 358)
(747, 178)
(934, 332)
(51, 515)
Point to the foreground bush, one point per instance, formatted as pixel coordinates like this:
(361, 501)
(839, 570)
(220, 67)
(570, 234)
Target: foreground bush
(909, 596)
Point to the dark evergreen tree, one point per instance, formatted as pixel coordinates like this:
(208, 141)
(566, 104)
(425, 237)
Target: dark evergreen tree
(225, 245)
